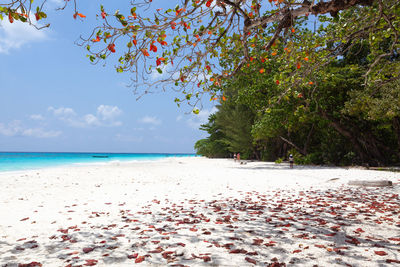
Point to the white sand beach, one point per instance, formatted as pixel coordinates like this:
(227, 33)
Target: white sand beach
(198, 212)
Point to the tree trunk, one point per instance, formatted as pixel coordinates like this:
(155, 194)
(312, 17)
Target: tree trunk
(366, 145)
(346, 134)
(293, 145)
(305, 147)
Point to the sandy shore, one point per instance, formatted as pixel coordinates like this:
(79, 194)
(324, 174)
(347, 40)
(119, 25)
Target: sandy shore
(198, 212)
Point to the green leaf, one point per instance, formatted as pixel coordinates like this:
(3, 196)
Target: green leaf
(159, 70)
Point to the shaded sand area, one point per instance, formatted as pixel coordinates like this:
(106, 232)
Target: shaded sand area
(198, 212)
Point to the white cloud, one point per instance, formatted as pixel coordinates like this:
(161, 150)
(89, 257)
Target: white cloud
(108, 112)
(105, 116)
(150, 120)
(11, 129)
(179, 118)
(62, 112)
(91, 120)
(15, 35)
(16, 129)
(196, 120)
(36, 117)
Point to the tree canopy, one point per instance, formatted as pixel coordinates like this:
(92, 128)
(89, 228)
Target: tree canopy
(198, 45)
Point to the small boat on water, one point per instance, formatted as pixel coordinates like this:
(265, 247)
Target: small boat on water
(99, 156)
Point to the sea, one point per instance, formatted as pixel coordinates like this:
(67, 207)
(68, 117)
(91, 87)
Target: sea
(17, 161)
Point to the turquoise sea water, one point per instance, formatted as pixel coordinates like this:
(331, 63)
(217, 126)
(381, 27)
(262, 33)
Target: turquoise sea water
(14, 161)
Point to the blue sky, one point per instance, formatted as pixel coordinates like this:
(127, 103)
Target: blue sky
(53, 99)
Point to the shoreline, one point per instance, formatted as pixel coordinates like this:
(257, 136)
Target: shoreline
(225, 214)
(94, 160)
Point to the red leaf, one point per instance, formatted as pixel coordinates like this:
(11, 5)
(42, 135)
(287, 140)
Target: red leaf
(206, 258)
(87, 250)
(32, 264)
(91, 262)
(236, 251)
(111, 47)
(10, 18)
(251, 260)
(296, 251)
(24, 219)
(133, 256)
(139, 259)
(380, 253)
(209, 2)
(392, 261)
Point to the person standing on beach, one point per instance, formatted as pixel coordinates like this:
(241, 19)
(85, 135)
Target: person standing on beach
(238, 157)
(291, 161)
(234, 157)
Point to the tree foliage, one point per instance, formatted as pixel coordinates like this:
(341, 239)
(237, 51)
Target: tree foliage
(186, 43)
(336, 119)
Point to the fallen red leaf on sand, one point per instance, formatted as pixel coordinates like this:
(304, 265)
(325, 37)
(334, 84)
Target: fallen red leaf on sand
(91, 262)
(32, 264)
(24, 219)
(251, 260)
(139, 259)
(296, 251)
(206, 258)
(392, 261)
(157, 250)
(394, 239)
(133, 256)
(380, 253)
(21, 239)
(87, 250)
(319, 246)
(331, 234)
(236, 251)
(166, 254)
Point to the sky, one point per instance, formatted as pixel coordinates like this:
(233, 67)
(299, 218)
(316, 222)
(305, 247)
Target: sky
(53, 100)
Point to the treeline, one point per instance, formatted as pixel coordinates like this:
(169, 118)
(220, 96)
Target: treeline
(332, 118)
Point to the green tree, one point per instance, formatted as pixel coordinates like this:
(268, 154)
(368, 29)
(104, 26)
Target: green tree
(184, 43)
(214, 145)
